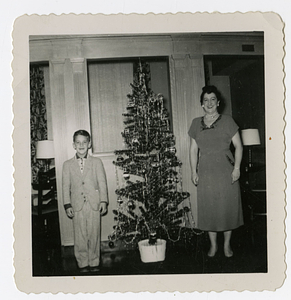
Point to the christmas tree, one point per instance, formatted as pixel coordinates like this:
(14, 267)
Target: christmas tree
(153, 204)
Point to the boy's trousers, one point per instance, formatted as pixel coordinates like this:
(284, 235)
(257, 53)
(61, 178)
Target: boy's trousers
(87, 236)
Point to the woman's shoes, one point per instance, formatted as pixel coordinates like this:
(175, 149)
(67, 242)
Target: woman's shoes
(228, 252)
(212, 251)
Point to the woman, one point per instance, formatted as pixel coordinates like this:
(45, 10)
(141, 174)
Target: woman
(215, 171)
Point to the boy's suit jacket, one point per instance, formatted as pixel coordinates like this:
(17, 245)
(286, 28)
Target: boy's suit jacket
(91, 185)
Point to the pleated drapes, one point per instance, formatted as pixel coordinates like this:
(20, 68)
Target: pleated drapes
(109, 85)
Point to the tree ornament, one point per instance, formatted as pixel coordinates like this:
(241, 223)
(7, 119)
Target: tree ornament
(185, 195)
(120, 159)
(112, 237)
(111, 244)
(119, 200)
(126, 175)
(155, 164)
(171, 206)
(171, 150)
(130, 205)
(135, 142)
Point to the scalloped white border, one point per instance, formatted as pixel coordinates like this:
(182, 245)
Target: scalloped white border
(272, 25)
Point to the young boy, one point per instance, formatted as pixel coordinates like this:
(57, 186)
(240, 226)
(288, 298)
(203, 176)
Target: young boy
(85, 198)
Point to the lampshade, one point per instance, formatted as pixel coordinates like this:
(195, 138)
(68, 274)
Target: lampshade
(250, 137)
(45, 149)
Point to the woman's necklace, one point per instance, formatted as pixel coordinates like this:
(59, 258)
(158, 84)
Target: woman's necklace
(211, 116)
(210, 119)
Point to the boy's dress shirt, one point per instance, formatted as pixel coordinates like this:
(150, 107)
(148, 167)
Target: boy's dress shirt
(81, 162)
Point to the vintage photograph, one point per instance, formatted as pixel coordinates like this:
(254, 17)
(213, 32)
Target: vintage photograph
(153, 159)
(148, 154)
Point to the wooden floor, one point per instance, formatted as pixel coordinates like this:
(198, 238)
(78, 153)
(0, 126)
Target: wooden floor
(188, 256)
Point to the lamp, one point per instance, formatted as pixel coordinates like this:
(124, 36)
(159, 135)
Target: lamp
(250, 137)
(45, 150)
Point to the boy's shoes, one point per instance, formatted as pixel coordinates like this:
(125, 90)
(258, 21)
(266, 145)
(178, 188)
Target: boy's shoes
(94, 269)
(84, 270)
(89, 269)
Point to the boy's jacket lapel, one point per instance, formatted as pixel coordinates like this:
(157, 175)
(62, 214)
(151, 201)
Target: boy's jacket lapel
(88, 166)
(76, 167)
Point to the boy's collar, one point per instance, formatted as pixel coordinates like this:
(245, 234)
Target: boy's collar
(85, 157)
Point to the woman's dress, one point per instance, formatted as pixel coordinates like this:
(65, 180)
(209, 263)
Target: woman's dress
(219, 200)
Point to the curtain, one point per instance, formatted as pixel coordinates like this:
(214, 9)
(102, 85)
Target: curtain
(38, 116)
(109, 85)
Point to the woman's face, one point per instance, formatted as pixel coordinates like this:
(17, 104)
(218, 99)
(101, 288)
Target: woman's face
(210, 103)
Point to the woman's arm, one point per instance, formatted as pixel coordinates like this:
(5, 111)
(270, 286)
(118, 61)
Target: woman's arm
(193, 160)
(237, 156)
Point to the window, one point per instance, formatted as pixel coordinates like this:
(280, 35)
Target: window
(109, 85)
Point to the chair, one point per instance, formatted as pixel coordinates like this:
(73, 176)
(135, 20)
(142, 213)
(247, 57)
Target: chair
(46, 196)
(45, 217)
(254, 192)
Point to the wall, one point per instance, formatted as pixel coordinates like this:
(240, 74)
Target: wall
(67, 56)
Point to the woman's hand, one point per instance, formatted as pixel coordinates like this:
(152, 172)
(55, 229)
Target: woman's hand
(235, 175)
(103, 208)
(237, 157)
(193, 161)
(195, 178)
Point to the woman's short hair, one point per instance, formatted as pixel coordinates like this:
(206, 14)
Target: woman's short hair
(82, 132)
(208, 89)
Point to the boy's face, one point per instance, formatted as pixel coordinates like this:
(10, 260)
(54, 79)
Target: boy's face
(81, 145)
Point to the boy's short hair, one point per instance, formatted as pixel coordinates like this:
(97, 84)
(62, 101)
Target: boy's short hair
(82, 132)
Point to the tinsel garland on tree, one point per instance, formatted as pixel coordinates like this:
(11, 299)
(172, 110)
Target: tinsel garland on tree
(153, 204)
